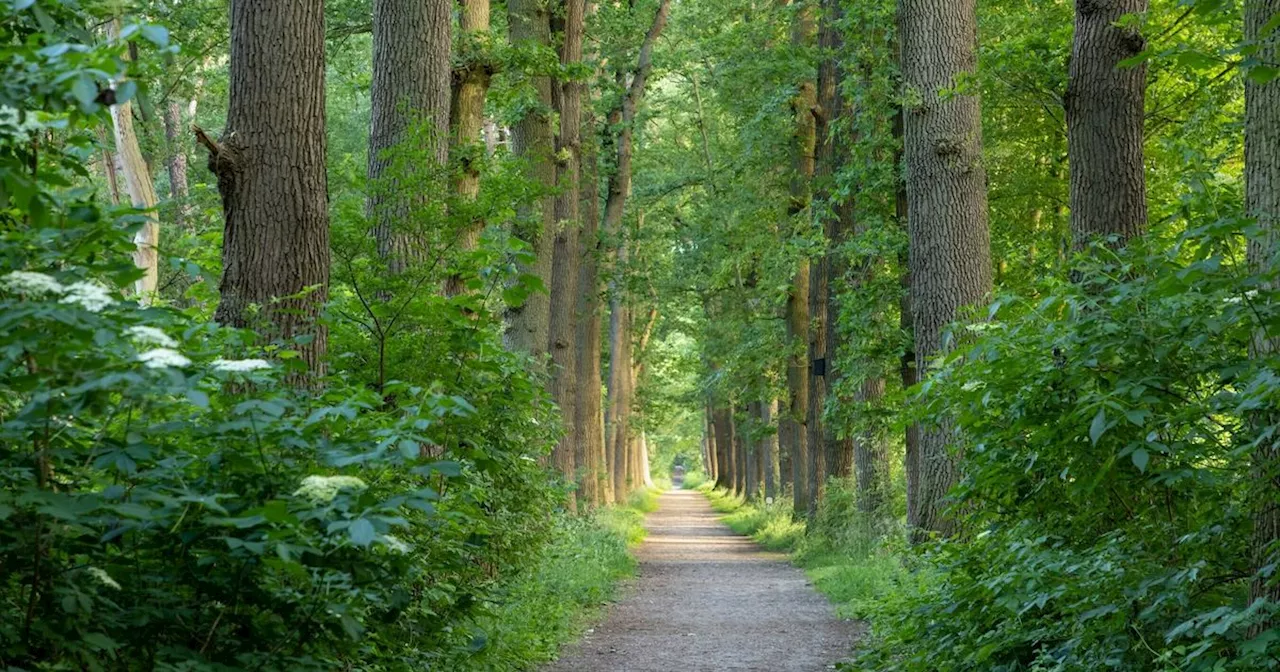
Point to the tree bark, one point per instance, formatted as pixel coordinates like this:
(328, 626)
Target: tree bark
(142, 195)
(792, 430)
(589, 409)
(950, 250)
(1104, 106)
(410, 87)
(176, 164)
(751, 457)
(1262, 201)
(769, 453)
(270, 167)
(712, 468)
(571, 451)
(619, 398)
(724, 448)
(532, 139)
(466, 119)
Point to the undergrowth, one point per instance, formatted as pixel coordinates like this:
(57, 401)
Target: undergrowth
(575, 575)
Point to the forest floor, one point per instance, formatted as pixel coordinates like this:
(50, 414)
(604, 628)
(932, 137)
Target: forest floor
(705, 598)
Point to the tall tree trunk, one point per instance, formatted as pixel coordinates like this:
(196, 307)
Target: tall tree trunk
(466, 119)
(571, 451)
(752, 453)
(738, 458)
(769, 452)
(411, 82)
(619, 397)
(871, 455)
(142, 195)
(724, 448)
(907, 363)
(532, 139)
(712, 468)
(176, 163)
(1104, 106)
(619, 189)
(792, 430)
(271, 173)
(589, 409)
(950, 249)
(1262, 201)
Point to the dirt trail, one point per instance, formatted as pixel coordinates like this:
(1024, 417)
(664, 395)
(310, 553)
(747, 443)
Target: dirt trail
(707, 599)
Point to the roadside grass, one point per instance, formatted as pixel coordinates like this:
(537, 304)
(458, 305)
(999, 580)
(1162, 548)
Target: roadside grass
(577, 574)
(856, 570)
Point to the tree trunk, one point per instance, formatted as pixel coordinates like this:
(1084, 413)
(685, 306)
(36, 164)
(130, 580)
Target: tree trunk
(724, 448)
(738, 461)
(1104, 106)
(589, 410)
(792, 430)
(619, 400)
(177, 164)
(950, 251)
(769, 454)
(532, 139)
(710, 428)
(871, 456)
(466, 119)
(1262, 201)
(571, 451)
(271, 173)
(751, 456)
(410, 87)
(142, 195)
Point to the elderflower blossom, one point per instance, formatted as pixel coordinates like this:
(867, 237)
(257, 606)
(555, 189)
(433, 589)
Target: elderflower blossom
(103, 577)
(91, 296)
(29, 282)
(163, 358)
(240, 365)
(151, 336)
(1251, 294)
(395, 545)
(325, 488)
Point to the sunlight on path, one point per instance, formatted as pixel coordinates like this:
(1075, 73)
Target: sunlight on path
(707, 599)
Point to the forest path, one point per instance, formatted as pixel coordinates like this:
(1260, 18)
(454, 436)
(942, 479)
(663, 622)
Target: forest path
(707, 599)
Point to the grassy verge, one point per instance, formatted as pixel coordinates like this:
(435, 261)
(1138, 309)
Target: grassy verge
(853, 568)
(577, 573)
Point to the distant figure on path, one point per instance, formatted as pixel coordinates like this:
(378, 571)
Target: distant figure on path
(677, 476)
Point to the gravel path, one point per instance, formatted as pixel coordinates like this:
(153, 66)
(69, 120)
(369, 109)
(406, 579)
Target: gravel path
(707, 599)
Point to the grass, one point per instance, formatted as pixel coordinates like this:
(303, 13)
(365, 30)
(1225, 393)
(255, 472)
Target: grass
(577, 573)
(852, 568)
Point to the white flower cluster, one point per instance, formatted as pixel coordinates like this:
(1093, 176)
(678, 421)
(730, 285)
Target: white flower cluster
(103, 577)
(325, 488)
(396, 545)
(240, 365)
(163, 358)
(1251, 294)
(91, 296)
(34, 284)
(151, 336)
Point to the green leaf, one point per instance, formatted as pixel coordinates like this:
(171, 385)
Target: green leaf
(361, 532)
(1098, 426)
(1140, 459)
(84, 91)
(157, 35)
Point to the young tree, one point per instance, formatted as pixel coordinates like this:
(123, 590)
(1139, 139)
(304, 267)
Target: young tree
(950, 251)
(270, 165)
(411, 81)
(1104, 106)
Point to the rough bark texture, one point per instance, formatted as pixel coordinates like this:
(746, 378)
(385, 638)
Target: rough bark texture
(532, 139)
(590, 407)
(176, 163)
(142, 195)
(950, 251)
(769, 451)
(270, 166)
(466, 118)
(619, 396)
(410, 86)
(1262, 201)
(724, 455)
(871, 455)
(571, 451)
(792, 432)
(1104, 105)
